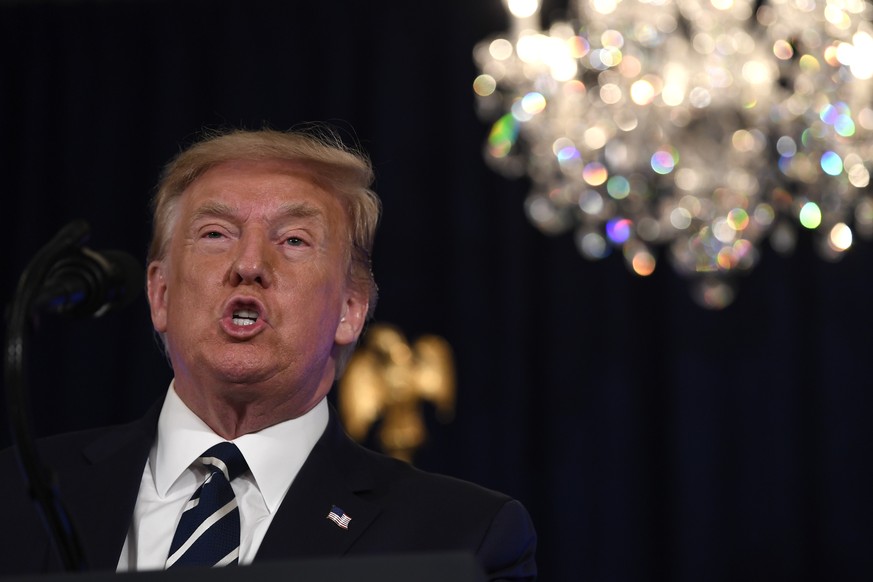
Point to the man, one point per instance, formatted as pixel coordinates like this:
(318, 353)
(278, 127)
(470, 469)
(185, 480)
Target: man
(259, 284)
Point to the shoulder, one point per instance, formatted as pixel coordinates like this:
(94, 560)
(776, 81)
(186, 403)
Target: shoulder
(71, 457)
(424, 510)
(402, 486)
(79, 465)
(391, 482)
(71, 449)
(401, 482)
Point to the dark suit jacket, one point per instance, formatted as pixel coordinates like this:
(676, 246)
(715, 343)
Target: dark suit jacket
(394, 507)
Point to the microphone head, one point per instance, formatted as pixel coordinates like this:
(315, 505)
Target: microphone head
(125, 282)
(86, 283)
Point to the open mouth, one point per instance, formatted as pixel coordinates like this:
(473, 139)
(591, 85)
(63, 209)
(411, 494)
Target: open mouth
(244, 317)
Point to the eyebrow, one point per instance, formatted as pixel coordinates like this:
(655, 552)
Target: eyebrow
(212, 209)
(290, 210)
(300, 210)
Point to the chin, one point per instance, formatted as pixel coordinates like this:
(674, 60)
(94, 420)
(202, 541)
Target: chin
(245, 375)
(242, 367)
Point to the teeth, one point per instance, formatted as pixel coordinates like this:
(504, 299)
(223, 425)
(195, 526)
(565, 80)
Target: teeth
(244, 317)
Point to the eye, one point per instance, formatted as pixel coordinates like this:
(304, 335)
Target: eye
(294, 241)
(213, 234)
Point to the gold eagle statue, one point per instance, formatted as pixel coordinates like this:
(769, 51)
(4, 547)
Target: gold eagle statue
(388, 378)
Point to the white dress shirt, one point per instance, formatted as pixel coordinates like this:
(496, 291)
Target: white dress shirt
(274, 455)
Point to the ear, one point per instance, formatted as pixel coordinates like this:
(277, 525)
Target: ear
(352, 318)
(157, 293)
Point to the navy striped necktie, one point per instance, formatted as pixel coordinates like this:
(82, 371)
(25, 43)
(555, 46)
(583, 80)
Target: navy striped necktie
(208, 532)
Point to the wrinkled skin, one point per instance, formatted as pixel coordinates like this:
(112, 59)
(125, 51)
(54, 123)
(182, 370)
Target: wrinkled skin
(253, 295)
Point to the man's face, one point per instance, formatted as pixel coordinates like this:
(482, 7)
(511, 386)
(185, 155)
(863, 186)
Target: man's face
(253, 294)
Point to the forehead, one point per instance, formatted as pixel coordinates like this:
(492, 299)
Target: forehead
(262, 187)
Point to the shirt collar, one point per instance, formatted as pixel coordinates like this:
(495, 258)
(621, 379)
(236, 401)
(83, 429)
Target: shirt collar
(274, 454)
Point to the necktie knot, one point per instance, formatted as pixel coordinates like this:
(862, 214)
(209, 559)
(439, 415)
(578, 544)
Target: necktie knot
(208, 532)
(227, 458)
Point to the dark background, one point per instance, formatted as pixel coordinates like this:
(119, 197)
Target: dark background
(649, 438)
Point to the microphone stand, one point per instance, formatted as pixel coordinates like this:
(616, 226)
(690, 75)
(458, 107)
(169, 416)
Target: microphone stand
(41, 482)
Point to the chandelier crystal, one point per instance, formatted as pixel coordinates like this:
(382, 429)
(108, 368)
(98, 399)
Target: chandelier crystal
(696, 129)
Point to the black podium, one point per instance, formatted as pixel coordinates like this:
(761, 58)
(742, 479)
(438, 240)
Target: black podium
(425, 567)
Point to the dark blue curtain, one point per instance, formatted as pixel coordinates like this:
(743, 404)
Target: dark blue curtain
(650, 439)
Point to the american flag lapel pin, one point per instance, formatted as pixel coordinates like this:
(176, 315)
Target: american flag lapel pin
(339, 517)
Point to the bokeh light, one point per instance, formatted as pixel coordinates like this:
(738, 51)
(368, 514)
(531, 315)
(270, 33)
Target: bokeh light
(753, 122)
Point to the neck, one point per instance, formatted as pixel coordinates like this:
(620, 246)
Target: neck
(237, 410)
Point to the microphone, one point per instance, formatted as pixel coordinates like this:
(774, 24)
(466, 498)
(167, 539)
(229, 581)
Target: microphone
(87, 282)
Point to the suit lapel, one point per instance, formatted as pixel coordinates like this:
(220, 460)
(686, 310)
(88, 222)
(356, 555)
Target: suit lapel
(107, 488)
(332, 475)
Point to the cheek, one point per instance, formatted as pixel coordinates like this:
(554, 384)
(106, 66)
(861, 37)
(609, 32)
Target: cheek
(198, 275)
(188, 294)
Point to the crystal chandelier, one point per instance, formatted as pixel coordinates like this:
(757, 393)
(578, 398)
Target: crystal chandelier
(694, 129)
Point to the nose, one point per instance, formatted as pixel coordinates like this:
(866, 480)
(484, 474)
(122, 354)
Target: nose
(253, 263)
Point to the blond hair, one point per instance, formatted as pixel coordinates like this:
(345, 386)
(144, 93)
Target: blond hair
(338, 168)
